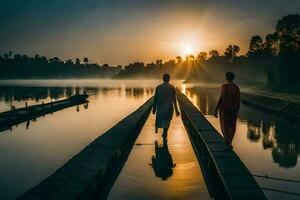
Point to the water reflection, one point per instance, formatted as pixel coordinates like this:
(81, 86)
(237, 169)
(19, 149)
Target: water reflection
(162, 180)
(204, 99)
(4, 127)
(162, 161)
(52, 140)
(12, 95)
(139, 91)
(278, 135)
(18, 96)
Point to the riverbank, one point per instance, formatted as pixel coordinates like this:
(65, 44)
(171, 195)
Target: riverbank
(283, 104)
(282, 107)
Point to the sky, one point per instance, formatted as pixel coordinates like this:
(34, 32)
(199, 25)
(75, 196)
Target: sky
(120, 32)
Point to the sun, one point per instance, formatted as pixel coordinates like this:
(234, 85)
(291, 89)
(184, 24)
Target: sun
(187, 49)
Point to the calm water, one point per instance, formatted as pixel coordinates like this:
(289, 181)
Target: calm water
(266, 144)
(174, 172)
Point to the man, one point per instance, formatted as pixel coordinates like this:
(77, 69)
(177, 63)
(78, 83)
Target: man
(229, 105)
(163, 105)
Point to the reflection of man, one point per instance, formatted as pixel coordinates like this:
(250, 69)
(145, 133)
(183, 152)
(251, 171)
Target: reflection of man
(164, 100)
(162, 162)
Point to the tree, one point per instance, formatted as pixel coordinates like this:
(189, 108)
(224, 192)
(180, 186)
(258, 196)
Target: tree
(10, 54)
(23, 66)
(202, 56)
(86, 60)
(159, 63)
(6, 56)
(77, 61)
(213, 53)
(231, 51)
(271, 46)
(288, 30)
(178, 59)
(69, 62)
(17, 57)
(55, 60)
(191, 57)
(255, 46)
(119, 67)
(37, 56)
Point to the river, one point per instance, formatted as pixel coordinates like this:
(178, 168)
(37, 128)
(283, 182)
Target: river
(31, 151)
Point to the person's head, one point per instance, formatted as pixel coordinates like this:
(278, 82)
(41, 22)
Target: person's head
(166, 78)
(230, 76)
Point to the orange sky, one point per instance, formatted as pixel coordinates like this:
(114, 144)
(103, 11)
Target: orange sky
(119, 32)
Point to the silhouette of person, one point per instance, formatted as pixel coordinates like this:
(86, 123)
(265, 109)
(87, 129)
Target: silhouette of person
(162, 161)
(163, 105)
(27, 124)
(229, 105)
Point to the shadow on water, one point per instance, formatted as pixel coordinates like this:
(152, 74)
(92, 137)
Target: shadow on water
(162, 161)
(277, 134)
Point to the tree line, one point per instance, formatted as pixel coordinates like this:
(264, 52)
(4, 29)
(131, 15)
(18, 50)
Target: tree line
(14, 66)
(273, 60)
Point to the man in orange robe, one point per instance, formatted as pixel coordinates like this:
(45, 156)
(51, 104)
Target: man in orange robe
(229, 105)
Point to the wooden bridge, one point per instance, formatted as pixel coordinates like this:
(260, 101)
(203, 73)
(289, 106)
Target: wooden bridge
(91, 173)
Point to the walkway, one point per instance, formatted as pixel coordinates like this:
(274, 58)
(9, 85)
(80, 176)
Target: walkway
(227, 177)
(91, 173)
(138, 180)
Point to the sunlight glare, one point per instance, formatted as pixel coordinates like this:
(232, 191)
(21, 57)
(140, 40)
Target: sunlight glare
(188, 49)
